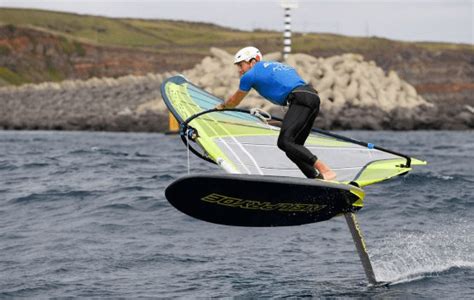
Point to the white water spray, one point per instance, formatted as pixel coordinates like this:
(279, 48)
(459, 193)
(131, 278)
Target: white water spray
(409, 256)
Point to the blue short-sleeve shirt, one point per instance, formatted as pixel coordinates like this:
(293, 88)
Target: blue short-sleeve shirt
(273, 80)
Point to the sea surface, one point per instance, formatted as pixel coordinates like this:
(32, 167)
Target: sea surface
(83, 214)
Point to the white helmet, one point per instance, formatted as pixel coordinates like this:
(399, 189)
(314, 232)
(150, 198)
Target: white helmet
(247, 54)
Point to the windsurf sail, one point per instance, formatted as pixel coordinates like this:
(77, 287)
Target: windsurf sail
(243, 143)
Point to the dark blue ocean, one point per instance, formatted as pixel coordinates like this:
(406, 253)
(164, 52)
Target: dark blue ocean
(83, 214)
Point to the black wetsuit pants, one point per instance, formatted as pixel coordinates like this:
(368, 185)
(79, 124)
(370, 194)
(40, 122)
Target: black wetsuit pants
(303, 108)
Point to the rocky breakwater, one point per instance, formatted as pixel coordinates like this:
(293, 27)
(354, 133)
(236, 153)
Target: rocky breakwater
(130, 103)
(355, 94)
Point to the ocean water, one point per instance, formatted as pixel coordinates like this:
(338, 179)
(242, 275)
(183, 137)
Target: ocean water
(83, 214)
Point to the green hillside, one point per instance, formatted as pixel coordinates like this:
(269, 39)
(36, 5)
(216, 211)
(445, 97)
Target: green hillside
(38, 45)
(131, 32)
(197, 36)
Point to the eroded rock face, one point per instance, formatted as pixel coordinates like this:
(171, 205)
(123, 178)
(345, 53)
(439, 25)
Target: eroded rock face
(38, 56)
(355, 94)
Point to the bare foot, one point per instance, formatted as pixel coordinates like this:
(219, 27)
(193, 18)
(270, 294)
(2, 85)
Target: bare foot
(324, 170)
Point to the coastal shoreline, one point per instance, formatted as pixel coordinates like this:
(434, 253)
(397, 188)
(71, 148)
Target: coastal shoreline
(355, 94)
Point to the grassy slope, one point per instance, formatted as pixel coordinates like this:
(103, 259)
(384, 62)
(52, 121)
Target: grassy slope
(169, 37)
(128, 32)
(162, 33)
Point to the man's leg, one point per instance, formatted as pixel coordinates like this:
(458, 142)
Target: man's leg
(295, 129)
(325, 172)
(295, 121)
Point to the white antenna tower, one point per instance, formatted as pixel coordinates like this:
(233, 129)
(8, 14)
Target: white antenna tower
(287, 5)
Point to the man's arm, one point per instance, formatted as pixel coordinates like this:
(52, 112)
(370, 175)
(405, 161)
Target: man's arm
(233, 100)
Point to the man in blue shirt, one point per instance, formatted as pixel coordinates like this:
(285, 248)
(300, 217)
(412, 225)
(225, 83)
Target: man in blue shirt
(281, 84)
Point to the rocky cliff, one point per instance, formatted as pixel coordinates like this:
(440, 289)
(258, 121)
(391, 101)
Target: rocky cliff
(33, 55)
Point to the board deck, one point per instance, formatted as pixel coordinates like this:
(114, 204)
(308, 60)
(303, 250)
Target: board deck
(262, 201)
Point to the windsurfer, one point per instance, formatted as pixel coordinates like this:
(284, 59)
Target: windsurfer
(281, 84)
